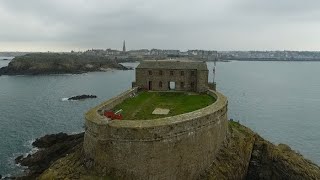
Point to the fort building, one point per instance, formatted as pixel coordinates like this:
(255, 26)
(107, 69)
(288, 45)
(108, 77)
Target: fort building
(164, 75)
(180, 146)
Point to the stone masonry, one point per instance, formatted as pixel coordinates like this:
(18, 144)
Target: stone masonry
(164, 75)
(176, 147)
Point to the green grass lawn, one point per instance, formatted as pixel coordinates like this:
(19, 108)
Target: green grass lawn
(141, 106)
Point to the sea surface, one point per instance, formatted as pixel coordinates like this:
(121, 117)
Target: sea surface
(279, 100)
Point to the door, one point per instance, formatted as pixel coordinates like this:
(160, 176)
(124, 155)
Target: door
(150, 85)
(172, 85)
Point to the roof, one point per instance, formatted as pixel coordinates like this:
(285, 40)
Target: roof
(172, 64)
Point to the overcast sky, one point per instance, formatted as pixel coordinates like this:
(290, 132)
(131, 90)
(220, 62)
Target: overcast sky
(64, 25)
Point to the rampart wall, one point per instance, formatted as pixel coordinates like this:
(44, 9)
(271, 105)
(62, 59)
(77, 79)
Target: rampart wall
(177, 147)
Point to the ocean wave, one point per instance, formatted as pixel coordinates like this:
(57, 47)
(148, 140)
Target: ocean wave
(64, 99)
(16, 169)
(29, 145)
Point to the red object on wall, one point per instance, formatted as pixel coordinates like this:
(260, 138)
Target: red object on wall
(112, 115)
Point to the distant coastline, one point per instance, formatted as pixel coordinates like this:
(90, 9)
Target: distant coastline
(270, 59)
(55, 63)
(194, 54)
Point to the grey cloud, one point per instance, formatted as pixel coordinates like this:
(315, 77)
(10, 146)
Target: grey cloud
(180, 24)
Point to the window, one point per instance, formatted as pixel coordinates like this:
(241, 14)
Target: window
(171, 73)
(160, 72)
(182, 73)
(160, 84)
(150, 72)
(192, 73)
(182, 84)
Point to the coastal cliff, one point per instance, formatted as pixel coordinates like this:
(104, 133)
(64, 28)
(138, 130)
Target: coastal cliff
(245, 155)
(55, 63)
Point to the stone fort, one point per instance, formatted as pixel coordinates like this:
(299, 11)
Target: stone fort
(163, 75)
(174, 147)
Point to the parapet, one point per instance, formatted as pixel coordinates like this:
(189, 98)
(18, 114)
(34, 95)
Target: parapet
(176, 147)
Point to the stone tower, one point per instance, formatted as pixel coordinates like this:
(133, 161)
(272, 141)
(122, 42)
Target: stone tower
(124, 46)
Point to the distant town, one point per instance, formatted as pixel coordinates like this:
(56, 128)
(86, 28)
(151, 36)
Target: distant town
(196, 54)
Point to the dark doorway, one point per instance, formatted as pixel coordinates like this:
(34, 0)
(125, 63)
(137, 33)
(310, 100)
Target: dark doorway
(150, 85)
(192, 86)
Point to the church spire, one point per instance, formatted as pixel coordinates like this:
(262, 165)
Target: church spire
(124, 46)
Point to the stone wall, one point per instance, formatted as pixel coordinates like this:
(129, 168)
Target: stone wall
(202, 80)
(199, 79)
(211, 85)
(177, 147)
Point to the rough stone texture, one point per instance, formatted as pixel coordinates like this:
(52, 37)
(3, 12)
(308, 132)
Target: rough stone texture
(233, 158)
(202, 80)
(161, 76)
(177, 147)
(233, 161)
(279, 162)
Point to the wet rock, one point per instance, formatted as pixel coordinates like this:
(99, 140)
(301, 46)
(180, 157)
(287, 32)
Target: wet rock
(18, 159)
(84, 96)
(52, 147)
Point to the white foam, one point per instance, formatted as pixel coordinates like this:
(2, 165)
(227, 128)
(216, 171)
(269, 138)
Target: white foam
(64, 99)
(33, 149)
(18, 169)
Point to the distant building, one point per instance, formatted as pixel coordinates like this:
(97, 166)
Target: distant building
(124, 46)
(164, 75)
(140, 52)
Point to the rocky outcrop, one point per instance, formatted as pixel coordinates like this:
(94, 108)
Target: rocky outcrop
(248, 156)
(51, 148)
(54, 63)
(80, 97)
(245, 155)
(279, 162)
(232, 160)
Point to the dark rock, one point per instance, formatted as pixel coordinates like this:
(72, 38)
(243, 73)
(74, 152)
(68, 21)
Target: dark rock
(53, 147)
(245, 155)
(269, 161)
(84, 96)
(49, 140)
(18, 159)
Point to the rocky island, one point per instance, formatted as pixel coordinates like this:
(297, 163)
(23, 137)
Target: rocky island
(82, 97)
(58, 63)
(244, 155)
(192, 140)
